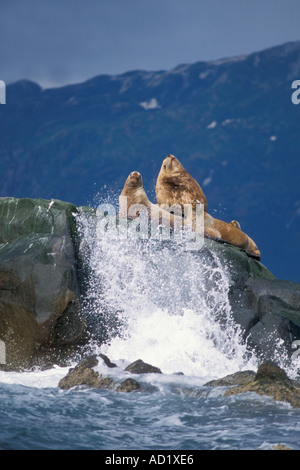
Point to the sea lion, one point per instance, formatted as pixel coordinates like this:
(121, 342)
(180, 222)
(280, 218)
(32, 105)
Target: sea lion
(230, 233)
(133, 198)
(226, 232)
(134, 194)
(176, 186)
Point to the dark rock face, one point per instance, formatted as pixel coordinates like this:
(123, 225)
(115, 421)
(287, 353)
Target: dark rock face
(266, 309)
(40, 316)
(270, 316)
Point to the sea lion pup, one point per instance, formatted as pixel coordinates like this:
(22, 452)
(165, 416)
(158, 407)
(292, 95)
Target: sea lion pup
(134, 194)
(220, 230)
(228, 232)
(176, 186)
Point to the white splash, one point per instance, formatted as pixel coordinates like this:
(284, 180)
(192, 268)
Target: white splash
(172, 306)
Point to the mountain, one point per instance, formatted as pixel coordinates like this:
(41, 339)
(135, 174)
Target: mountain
(230, 122)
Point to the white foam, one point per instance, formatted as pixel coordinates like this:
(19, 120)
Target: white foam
(173, 304)
(37, 378)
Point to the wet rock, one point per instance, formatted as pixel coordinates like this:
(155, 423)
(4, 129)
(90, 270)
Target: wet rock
(128, 385)
(40, 314)
(269, 371)
(80, 375)
(270, 380)
(107, 361)
(238, 378)
(266, 309)
(281, 447)
(84, 375)
(140, 367)
(276, 305)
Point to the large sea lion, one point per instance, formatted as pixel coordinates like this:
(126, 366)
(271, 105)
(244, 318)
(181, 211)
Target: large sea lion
(176, 186)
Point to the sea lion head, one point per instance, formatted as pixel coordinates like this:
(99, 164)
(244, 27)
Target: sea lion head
(134, 180)
(170, 165)
(133, 193)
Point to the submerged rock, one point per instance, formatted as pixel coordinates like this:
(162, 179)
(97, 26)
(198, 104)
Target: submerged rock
(270, 380)
(128, 385)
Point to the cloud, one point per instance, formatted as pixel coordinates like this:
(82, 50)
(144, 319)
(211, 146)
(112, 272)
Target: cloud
(66, 41)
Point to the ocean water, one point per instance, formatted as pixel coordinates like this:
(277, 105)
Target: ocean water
(169, 307)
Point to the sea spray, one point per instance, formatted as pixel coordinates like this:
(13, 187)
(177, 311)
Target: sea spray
(157, 301)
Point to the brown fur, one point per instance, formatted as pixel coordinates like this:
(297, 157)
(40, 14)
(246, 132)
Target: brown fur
(176, 186)
(135, 193)
(230, 233)
(213, 228)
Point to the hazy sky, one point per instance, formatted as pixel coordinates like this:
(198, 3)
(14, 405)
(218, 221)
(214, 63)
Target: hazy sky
(54, 42)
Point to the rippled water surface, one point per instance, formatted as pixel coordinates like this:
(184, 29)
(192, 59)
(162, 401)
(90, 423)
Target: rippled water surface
(48, 418)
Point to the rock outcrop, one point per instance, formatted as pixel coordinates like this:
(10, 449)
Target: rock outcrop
(84, 375)
(43, 273)
(40, 315)
(269, 380)
(272, 381)
(266, 309)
